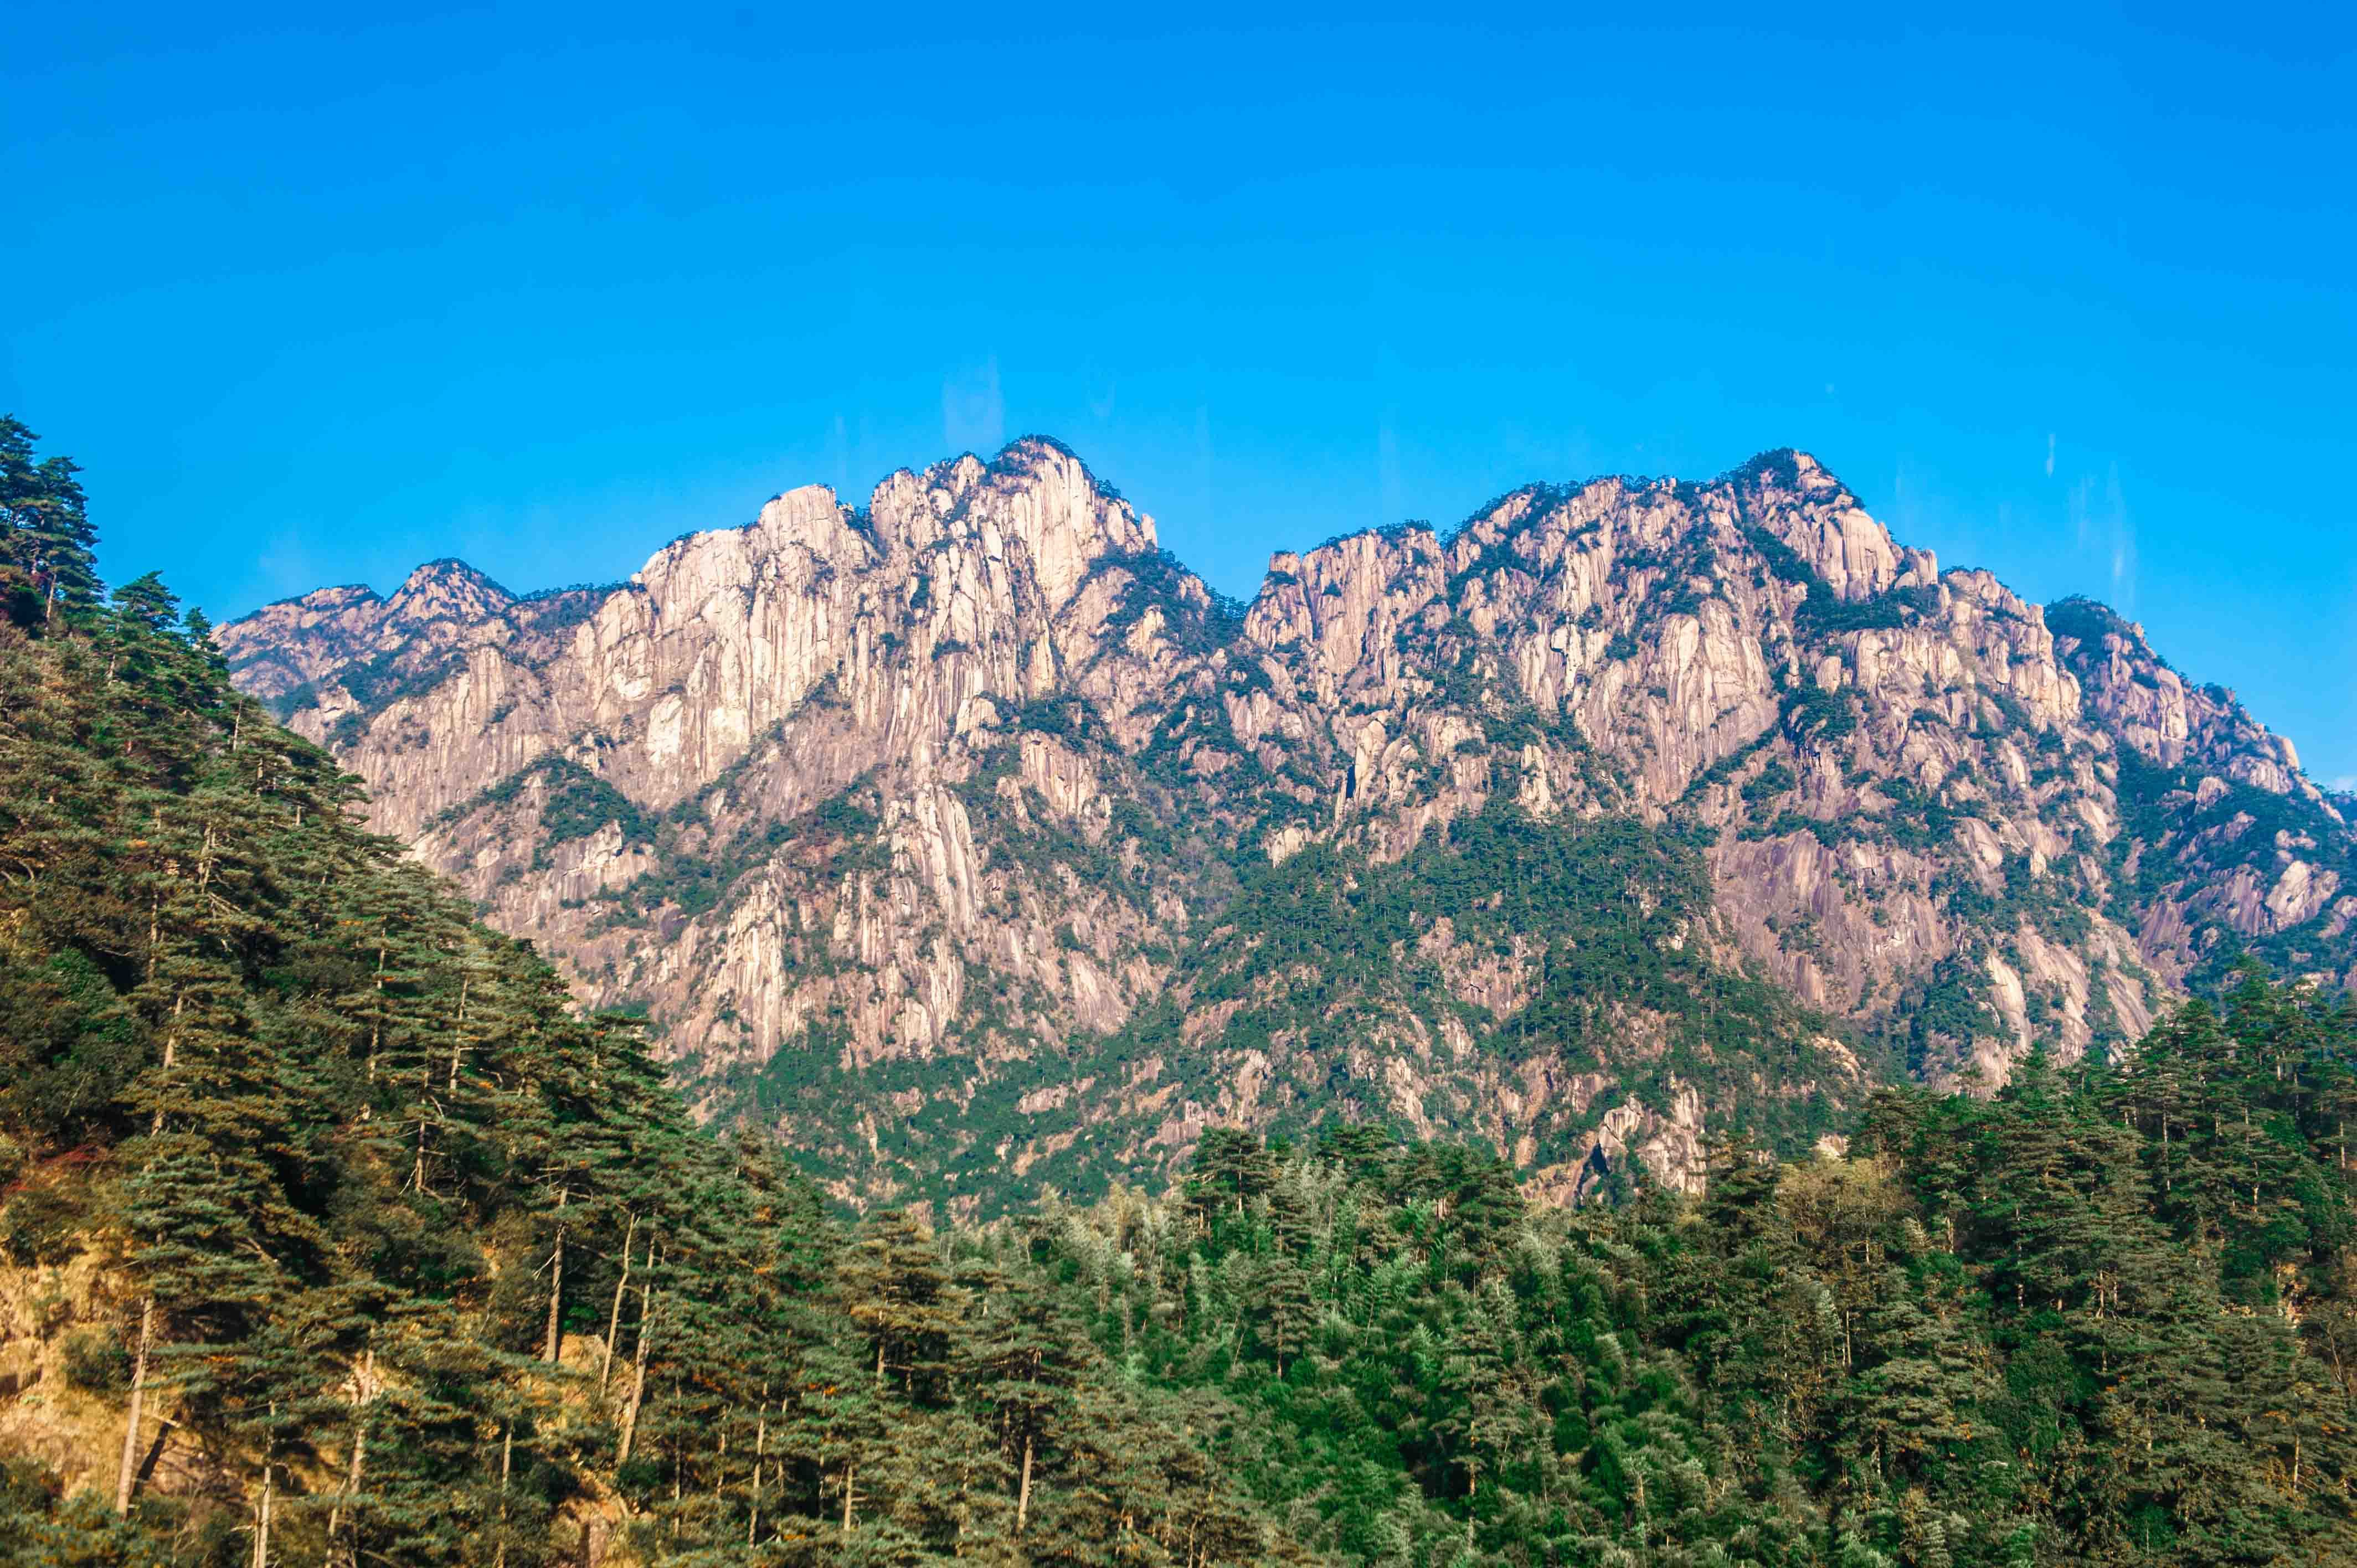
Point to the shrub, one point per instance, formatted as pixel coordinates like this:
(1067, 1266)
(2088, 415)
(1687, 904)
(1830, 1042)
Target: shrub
(96, 1360)
(41, 1226)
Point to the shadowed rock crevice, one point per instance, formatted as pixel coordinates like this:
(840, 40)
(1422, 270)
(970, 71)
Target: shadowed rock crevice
(968, 829)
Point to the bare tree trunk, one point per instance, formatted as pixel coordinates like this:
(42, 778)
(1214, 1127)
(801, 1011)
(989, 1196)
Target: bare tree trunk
(123, 1477)
(556, 1283)
(639, 1382)
(850, 1473)
(614, 1318)
(507, 1459)
(363, 1392)
(376, 1024)
(171, 1051)
(760, 1441)
(459, 1034)
(262, 1514)
(1023, 1496)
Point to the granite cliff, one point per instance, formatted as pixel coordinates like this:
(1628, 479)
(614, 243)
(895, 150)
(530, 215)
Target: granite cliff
(968, 829)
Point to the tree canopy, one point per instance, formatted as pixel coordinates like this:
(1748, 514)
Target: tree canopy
(334, 1232)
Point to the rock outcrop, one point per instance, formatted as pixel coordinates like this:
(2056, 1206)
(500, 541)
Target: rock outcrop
(969, 826)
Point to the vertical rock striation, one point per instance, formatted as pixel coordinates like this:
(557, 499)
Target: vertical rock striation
(969, 828)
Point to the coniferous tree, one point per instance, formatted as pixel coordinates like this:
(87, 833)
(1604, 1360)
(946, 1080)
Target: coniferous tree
(409, 1261)
(48, 545)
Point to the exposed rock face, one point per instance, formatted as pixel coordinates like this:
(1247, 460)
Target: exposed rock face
(970, 827)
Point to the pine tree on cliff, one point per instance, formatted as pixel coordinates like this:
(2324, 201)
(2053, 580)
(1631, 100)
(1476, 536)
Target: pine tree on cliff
(48, 545)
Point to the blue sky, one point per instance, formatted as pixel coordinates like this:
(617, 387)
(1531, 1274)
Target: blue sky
(316, 300)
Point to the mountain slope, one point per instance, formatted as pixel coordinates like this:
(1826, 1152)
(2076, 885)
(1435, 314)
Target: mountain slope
(976, 809)
(331, 1234)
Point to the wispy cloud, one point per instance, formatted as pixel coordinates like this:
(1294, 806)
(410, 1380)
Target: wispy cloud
(838, 455)
(1205, 459)
(1391, 496)
(974, 413)
(2050, 454)
(2100, 519)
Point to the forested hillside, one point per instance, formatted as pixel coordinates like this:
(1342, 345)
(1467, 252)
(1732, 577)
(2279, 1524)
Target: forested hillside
(333, 1234)
(331, 1231)
(2105, 1318)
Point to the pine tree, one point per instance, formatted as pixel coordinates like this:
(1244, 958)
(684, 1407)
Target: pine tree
(893, 1289)
(48, 546)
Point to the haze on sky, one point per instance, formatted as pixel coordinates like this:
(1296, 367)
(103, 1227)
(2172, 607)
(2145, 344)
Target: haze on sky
(316, 299)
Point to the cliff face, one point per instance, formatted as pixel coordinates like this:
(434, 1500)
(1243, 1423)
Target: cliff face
(969, 829)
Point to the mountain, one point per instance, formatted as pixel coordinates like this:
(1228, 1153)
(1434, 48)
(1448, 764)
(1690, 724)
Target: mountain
(332, 1232)
(967, 830)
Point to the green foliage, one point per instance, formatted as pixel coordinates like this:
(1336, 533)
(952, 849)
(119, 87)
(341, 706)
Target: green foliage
(48, 547)
(286, 704)
(41, 1225)
(579, 803)
(1194, 618)
(374, 1199)
(1769, 782)
(1331, 950)
(1814, 714)
(553, 612)
(424, 1267)
(1824, 613)
(379, 681)
(575, 803)
(96, 1362)
(843, 829)
(2173, 838)
(2099, 1320)
(2087, 621)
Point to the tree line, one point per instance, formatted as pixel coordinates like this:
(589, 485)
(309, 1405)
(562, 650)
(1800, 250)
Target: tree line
(401, 1258)
(2104, 1316)
(333, 1234)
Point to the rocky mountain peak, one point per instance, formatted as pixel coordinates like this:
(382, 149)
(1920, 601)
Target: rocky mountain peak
(442, 600)
(813, 517)
(2165, 718)
(1625, 811)
(283, 647)
(453, 579)
(1813, 513)
(1035, 494)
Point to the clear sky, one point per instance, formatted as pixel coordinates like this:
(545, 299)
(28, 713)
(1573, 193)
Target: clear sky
(315, 301)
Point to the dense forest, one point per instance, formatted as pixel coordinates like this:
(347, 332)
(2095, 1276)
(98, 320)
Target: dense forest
(333, 1234)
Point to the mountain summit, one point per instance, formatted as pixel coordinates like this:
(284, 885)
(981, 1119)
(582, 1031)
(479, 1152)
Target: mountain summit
(969, 829)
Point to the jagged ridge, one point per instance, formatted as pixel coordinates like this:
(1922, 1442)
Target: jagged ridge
(960, 809)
